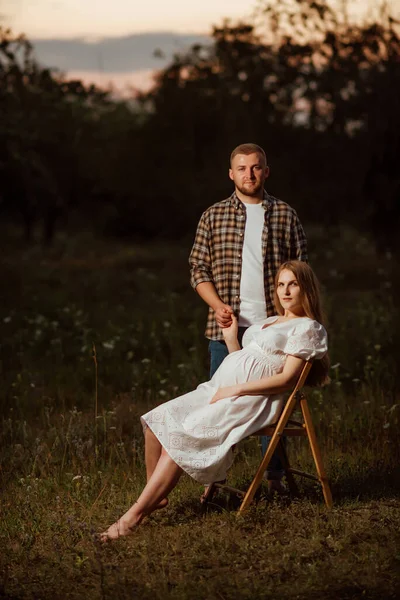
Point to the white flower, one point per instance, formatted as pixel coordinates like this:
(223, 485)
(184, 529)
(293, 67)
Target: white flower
(77, 477)
(109, 345)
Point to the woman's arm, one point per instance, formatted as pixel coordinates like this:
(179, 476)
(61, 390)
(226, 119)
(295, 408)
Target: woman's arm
(276, 384)
(231, 335)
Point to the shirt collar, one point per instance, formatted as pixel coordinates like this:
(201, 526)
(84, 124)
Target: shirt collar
(266, 201)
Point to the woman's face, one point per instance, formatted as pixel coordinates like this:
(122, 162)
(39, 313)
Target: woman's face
(289, 292)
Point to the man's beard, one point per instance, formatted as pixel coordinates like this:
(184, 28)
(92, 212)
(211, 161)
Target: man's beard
(255, 191)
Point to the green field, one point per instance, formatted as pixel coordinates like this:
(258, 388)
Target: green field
(71, 446)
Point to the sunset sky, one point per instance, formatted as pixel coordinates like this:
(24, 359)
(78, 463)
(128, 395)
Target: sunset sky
(84, 28)
(66, 18)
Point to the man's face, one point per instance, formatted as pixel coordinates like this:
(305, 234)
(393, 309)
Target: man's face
(248, 172)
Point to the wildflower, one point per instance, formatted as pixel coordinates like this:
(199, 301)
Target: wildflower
(77, 477)
(6, 319)
(167, 324)
(109, 345)
(162, 393)
(146, 361)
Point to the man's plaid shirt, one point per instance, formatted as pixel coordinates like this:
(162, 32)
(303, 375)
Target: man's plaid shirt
(216, 255)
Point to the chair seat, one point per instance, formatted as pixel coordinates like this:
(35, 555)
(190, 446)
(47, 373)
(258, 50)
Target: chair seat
(287, 431)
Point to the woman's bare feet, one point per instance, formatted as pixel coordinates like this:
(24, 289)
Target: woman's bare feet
(124, 526)
(118, 529)
(162, 504)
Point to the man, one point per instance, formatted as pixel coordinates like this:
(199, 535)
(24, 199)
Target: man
(239, 246)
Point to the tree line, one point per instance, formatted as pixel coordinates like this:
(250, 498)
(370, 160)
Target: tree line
(317, 92)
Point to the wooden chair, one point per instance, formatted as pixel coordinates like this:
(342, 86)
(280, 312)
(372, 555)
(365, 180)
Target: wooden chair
(284, 427)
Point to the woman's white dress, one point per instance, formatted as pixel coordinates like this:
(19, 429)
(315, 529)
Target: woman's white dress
(198, 435)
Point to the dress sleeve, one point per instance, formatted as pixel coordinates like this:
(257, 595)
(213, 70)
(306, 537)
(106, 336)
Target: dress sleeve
(307, 341)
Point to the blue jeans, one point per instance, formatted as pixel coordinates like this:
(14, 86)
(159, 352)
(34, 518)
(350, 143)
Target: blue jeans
(218, 351)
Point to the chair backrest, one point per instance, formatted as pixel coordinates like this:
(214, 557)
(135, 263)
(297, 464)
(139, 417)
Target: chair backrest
(303, 376)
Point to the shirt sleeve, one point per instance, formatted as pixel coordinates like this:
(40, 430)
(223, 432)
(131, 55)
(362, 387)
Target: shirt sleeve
(307, 341)
(298, 241)
(200, 257)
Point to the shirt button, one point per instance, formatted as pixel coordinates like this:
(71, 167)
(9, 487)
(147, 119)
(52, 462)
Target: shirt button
(241, 234)
(237, 297)
(239, 255)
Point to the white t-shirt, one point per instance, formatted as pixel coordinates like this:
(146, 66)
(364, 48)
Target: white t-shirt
(252, 294)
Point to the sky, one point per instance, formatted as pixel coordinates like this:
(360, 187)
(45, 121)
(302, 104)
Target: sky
(112, 41)
(68, 18)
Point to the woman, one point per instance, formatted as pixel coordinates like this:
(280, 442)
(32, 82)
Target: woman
(195, 432)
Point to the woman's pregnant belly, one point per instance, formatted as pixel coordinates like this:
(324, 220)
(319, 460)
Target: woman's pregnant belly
(248, 364)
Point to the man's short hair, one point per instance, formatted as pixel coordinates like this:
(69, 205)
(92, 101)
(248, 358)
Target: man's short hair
(248, 149)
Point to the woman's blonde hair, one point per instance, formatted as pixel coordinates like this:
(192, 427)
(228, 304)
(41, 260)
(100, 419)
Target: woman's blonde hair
(312, 306)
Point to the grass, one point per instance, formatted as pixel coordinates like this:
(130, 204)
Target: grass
(71, 455)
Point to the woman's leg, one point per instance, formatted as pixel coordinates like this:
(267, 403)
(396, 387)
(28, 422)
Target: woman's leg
(152, 453)
(164, 478)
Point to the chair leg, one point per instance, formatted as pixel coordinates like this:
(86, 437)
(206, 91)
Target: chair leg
(287, 411)
(316, 452)
(208, 494)
(294, 490)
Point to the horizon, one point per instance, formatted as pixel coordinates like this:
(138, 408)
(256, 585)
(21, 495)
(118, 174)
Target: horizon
(70, 25)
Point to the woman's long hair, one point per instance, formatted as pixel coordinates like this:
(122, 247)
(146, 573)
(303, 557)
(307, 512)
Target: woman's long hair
(312, 306)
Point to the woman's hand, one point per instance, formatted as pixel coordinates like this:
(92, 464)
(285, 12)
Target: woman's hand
(225, 392)
(231, 333)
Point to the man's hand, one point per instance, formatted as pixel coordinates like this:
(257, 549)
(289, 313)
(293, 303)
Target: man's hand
(225, 392)
(223, 315)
